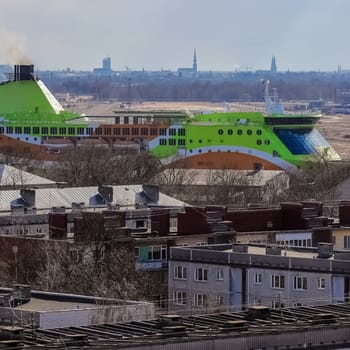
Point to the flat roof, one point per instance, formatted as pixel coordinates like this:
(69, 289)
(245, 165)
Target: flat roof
(36, 304)
(284, 252)
(256, 322)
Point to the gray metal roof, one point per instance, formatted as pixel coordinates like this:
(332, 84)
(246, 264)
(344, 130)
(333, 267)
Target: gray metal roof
(126, 197)
(210, 177)
(10, 176)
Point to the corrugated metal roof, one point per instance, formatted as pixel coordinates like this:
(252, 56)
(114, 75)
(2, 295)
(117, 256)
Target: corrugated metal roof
(125, 196)
(10, 176)
(205, 177)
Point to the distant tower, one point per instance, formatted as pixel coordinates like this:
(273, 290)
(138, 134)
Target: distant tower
(194, 66)
(273, 65)
(106, 64)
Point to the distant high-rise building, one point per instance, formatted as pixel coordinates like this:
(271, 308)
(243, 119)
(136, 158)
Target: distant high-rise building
(106, 69)
(106, 64)
(273, 65)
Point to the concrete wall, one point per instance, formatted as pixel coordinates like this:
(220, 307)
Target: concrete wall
(78, 317)
(97, 315)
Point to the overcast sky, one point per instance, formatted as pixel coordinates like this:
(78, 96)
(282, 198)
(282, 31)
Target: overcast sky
(150, 34)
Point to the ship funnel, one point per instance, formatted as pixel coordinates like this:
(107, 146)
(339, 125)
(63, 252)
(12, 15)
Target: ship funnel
(24, 72)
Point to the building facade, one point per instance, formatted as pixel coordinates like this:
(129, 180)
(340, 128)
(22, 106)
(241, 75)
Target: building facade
(223, 277)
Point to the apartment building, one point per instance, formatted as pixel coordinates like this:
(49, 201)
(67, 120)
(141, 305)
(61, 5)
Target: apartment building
(231, 277)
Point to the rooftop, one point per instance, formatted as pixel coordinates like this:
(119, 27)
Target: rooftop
(125, 197)
(255, 328)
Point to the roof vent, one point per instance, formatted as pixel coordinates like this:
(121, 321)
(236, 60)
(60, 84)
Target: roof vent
(325, 250)
(258, 311)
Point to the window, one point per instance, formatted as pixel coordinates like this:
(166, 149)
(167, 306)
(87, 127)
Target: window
(220, 131)
(173, 224)
(108, 131)
(9, 130)
(162, 131)
(154, 132)
(135, 131)
(144, 131)
(181, 142)
(239, 132)
(27, 130)
(199, 299)
(277, 304)
(126, 131)
(157, 252)
(80, 131)
(258, 142)
(258, 278)
(172, 132)
(201, 274)
(62, 131)
(18, 130)
(137, 252)
(53, 131)
(180, 272)
(267, 142)
(219, 275)
(249, 132)
(321, 283)
(98, 131)
(162, 142)
(277, 281)
(346, 242)
(44, 130)
(89, 131)
(71, 131)
(181, 132)
(229, 131)
(141, 224)
(180, 297)
(299, 283)
(219, 300)
(258, 132)
(172, 142)
(116, 131)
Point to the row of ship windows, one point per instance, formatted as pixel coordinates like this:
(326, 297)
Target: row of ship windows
(90, 131)
(274, 153)
(239, 132)
(172, 142)
(181, 142)
(258, 142)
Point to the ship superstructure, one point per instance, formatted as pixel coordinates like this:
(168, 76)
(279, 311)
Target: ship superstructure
(32, 120)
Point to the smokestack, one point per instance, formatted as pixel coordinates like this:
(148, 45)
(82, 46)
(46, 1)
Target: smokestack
(24, 72)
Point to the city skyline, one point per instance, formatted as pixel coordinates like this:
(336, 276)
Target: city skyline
(227, 35)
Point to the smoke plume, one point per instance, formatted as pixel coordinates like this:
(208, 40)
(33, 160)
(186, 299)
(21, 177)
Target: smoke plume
(12, 47)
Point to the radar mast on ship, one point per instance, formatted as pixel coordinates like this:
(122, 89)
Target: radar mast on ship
(273, 104)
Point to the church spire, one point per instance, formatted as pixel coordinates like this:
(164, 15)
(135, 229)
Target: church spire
(273, 65)
(194, 66)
